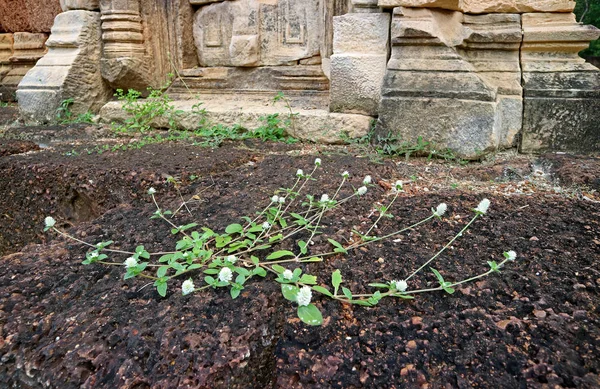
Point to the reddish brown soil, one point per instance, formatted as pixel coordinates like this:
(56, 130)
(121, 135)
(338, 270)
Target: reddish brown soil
(65, 325)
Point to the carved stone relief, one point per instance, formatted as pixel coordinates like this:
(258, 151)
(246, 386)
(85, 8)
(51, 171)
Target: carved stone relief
(248, 33)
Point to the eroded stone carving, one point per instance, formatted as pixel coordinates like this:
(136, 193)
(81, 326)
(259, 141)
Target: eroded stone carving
(562, 92)
(89, 5)
(71, 69)
(250, 33)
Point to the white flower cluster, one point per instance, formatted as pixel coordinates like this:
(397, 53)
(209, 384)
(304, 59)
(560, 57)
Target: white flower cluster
(277, 199)
(483, 206)
(362, 190)
(49, 221)
(440, 210)
(151, 191)
(300, 173)
(266, 225)
(367, 180)
(231, 259)
(318, 161)
(288, 274)
(510, 255)
(324, 200)
(304, 296)
(131, 262)
(345, 174)
(398, 186)
(187, 287)
(400, 286)
(225, 275)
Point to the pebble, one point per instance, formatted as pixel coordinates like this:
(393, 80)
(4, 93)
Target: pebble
(411, 345)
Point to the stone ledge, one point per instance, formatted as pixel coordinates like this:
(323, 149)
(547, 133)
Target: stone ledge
(314, 125)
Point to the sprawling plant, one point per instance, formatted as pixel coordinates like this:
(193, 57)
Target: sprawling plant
(250, 249)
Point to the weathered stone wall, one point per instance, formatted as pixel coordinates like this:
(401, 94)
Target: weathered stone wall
(28, 22)
(471, 75)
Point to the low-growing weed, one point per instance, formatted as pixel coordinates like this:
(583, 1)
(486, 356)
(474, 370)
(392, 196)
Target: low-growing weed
(259, 247)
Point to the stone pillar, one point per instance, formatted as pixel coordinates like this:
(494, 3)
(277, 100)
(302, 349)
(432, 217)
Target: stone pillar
(430, 91)
(562, 92)
(491, 44)
(27, 49)
(358, 63)
(124, 61)
(70, 70)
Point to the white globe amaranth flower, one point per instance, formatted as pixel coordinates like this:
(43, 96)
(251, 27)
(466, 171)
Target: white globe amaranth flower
(49, 221)
(131, 262)
(400, 286)
(324, 198)
(441, 209)
(398, 185)
(483, 206)
(300, 172)
(94, 254)
(362, 190)
(287, 274)
(275, 199)
(231, 259)
(282, 200)
(151, 191)
(346, 174)
(266, 225)
(187, 287)
(510, 255)
(304, 296)
(318, 161)
(225, 275)
(367, 180)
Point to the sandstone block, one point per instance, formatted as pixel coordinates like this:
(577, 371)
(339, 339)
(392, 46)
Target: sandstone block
(315, 125)
(258, 33)
(358, 64)
(88, 5)
(71, 69)
(486, 6)
(465, 126)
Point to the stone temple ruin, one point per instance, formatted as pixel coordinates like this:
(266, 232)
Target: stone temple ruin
(472, 75)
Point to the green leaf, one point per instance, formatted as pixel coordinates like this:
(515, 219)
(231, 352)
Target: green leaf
(438, 275)
(162, 289)
(165, 258)
(375, 285)
(242, 271)
(303, 246)
(235, 292)
(194, 266)
(336, 280)
(259, 271)
(255, 260)
(404, 296)
(278, 269)
(310, 315)
(234, 228)
(347, 292)
(211, 271)
(494, 266)
(322, 290)
(364, 303)
(313, 259)
(290, 292)
(280, 254)
(308, 279)
(338, 246)
(209, 280)
(162, 271)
